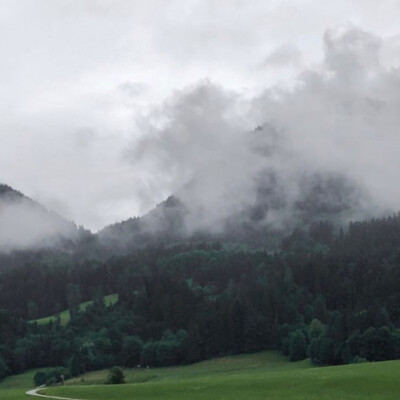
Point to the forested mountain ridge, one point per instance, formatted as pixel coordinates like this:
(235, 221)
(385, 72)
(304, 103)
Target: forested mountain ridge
(326, 290)
(329, 294)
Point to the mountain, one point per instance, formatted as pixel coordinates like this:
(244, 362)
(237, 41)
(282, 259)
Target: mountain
(263, 221)
(8, 192)
(254, 192)
(255, 195)
(25, 224)
(165, 223)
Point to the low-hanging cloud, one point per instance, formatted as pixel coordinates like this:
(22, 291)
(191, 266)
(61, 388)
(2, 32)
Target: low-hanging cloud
(336, 130)
(25, 225)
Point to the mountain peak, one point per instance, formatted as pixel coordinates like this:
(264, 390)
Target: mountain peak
(6, 189)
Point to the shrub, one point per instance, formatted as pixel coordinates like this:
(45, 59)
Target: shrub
(115, 376)
(40, 378)
(51, 381)
(50, 376)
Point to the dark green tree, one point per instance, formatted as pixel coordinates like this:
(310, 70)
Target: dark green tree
(132, 347)
(3, 368)
(76, 365)
(297, 346)
(74, 299)
(193, 344)
(320, 350)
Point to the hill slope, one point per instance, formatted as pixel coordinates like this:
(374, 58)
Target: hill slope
(25, 224)
(257, 376)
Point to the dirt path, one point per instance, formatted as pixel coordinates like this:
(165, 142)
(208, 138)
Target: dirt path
(34, 392)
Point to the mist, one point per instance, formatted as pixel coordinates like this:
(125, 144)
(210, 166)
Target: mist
(25, 225)
(84, 81)
(322, 144)
(334, 129)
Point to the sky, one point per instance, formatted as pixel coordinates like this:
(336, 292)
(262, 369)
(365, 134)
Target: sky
(92, 89)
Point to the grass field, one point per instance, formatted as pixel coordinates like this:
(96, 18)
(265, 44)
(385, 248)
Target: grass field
(242, 364)
(266, 375)
(259, 376)
(14, 387)
(65, 316)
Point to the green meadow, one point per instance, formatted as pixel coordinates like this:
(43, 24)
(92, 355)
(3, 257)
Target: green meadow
(65, 315)
(14, 387)
(265, 375)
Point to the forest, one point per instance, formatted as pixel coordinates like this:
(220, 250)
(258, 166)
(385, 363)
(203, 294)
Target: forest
(328, 294)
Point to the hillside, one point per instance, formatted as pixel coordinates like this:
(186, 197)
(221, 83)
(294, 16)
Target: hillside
(326, 294)
(258, 376)
(14, 387)
(8, 191)
(27, 225)
(254, 376)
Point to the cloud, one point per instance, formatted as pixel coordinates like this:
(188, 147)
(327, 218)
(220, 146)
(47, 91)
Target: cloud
(80, 78)
(26, 225)
(334, 136)
(284, 56)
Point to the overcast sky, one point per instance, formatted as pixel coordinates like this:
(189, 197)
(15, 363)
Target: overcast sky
(82, 80)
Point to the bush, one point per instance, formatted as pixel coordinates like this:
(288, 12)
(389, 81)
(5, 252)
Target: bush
(51, 381)
(115, 376)
(40, 378)
(50, 376)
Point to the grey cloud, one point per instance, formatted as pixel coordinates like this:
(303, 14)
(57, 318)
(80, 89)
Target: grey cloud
(65, 65)
(26, 225)
(284, 56)
(132, 89)
(352, 53)
(327, 132)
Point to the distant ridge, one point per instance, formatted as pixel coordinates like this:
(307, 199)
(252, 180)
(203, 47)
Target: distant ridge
(5, 189)
(328, 197)
(26, 224)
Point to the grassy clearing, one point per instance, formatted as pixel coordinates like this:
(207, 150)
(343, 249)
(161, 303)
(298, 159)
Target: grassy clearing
(65, 316)
(14, 387)
(260, 376)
